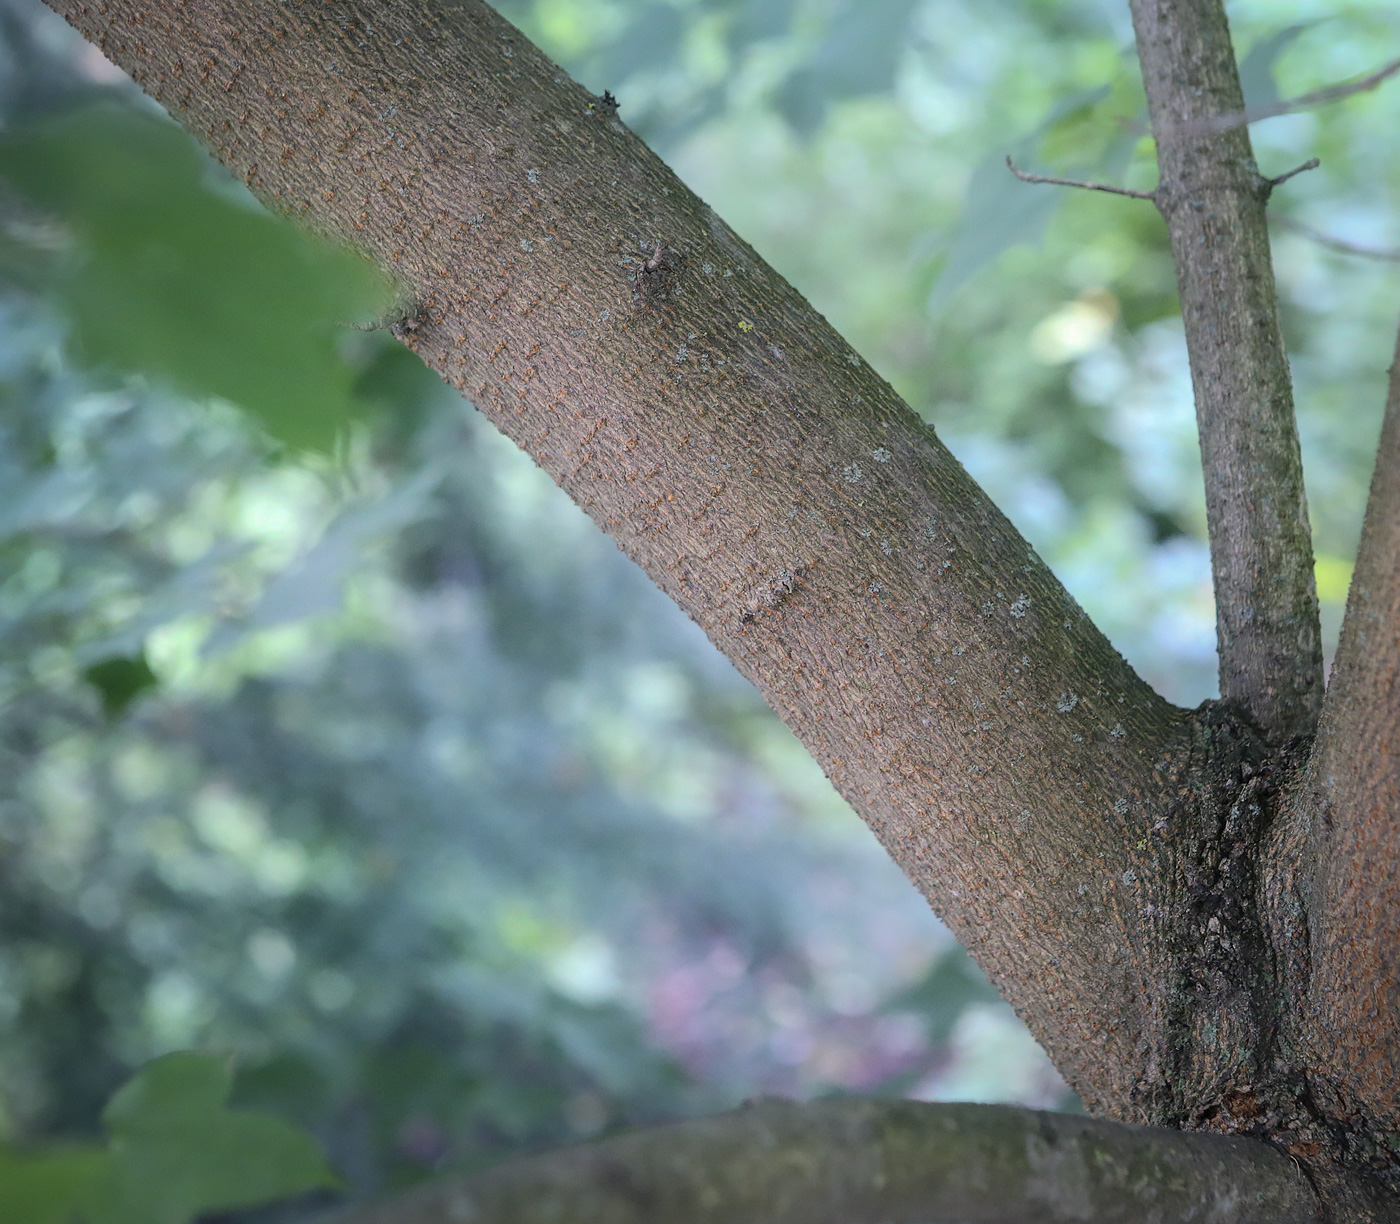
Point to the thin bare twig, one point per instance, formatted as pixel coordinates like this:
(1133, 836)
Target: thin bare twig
(1087, 186)
(1311, 164)
(1341, 245)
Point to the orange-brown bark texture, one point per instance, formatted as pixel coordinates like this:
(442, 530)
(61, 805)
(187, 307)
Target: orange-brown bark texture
(1094, 847)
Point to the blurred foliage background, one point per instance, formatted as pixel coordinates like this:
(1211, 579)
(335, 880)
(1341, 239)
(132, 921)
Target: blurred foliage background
(333, 736)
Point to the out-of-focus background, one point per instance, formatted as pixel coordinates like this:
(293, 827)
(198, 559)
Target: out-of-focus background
(331, 734)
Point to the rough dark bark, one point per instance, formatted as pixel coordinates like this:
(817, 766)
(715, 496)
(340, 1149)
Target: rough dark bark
(1212, 197)
(877, 1162)
(1096, 849)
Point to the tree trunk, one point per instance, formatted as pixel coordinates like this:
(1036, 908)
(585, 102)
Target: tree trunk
(1100, 852)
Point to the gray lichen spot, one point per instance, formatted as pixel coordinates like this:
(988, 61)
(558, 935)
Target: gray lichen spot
(1120, 806)
(533, 175)
(526, 245)
(1021, 606)
(1066, 702)
(886, 548)
(1130, 876)
(881, 455)
(875, 588)
(604, 316)
(852, 473)
(708, 269)
(852, 359)
(1118, 732)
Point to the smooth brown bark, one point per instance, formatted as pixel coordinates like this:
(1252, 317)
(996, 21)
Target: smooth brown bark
(877, 1162)
(1212, 197)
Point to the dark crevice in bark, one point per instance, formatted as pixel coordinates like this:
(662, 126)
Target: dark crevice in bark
(1229, 1054)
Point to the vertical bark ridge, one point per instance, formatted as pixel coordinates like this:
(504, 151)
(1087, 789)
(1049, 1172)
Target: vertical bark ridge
(1212, 198)
(1352, 812)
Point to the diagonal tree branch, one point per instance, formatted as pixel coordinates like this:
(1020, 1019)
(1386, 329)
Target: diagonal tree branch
(1212, 198)
(732, 444)
(1348, 812)
(876, 1162)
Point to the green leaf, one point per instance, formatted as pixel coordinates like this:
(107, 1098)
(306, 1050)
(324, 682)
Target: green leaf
(119, 682)
(54, 1187)
(1001, 211)
(1257, 68)
(176, 1152)
(857, 57)
(176, 272)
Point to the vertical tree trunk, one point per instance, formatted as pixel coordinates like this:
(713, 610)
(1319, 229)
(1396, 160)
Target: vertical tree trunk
(1213, 197)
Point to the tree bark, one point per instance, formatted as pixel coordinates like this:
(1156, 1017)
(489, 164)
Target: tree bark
(734, 446)
(877, 1162)
(1340, 846)
(1096, 849)
(1212, 197)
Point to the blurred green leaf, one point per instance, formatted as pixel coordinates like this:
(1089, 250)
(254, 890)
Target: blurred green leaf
(50, 1187)
(1001, 211)
(175, 1153)
(858, 56)
(650, 41)
(171, 276)
(120, 681)
(1257, 68)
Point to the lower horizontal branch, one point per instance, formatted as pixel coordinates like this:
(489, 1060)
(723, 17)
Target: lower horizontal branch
(876, 1162)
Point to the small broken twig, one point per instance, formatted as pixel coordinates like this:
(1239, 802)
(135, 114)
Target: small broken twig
(1311, 164)
(1087, 186)
(1266, 186)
